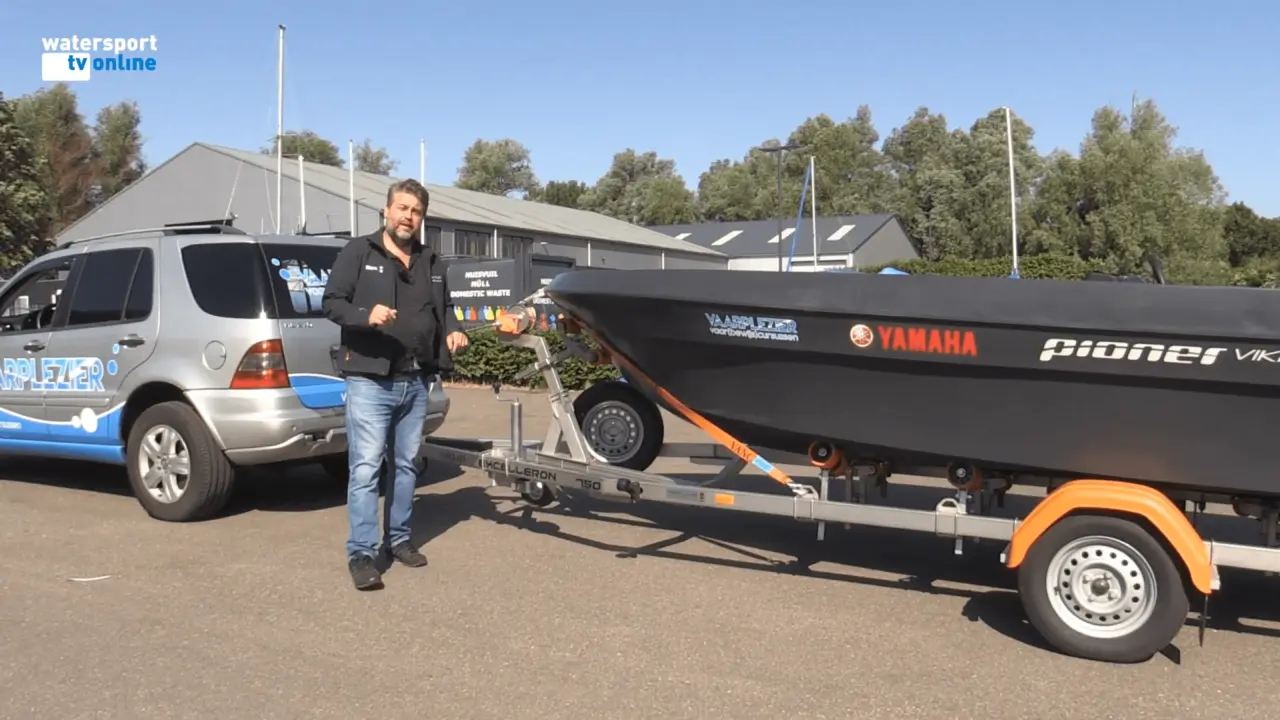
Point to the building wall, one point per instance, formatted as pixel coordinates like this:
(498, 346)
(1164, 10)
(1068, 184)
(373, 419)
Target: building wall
(598, 253)
(199, 183)
(799, 263)
(890, 244)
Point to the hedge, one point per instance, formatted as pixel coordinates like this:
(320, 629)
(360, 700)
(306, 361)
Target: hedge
(1031, 267)
(487, 360)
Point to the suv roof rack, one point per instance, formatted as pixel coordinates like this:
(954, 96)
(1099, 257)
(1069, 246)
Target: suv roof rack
(214, 228)
(333, 233)
(217, 227)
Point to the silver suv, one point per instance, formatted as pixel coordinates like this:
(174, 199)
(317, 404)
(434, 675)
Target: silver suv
(183, 353)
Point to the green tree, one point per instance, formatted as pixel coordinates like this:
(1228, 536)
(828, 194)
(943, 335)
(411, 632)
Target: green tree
(981, 160)
(737, 190)
(852, 175)
(373, 160)
(1249, 236)
(117, 143)
(1054, 209)
(51, 118)
(498, 167)
(559, 192)
(24, 205)
(309, 145)
(643, 189)
(924, 159)
(1132, 195)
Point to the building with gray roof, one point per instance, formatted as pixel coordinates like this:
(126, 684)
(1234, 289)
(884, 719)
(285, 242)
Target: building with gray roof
(208, 183)
(852, 241)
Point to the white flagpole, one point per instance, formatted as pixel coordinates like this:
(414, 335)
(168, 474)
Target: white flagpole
(1013, 191)
(351, 184)
(422, 178)
(813, 208)
(279, 126)
(302, 195)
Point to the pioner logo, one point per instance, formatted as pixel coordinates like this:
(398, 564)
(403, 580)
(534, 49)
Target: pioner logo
(1130, 352)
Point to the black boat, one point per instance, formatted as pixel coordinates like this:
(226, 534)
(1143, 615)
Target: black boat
(1160, 384)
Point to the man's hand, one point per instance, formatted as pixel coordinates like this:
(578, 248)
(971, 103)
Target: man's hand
(456, 341)
(381, 315)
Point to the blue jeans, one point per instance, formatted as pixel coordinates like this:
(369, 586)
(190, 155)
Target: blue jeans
(384, 418)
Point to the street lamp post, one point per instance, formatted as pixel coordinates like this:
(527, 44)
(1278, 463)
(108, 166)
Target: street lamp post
(779, 150)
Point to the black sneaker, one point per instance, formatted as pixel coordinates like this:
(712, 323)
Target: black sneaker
(405, 553)
(364, 573)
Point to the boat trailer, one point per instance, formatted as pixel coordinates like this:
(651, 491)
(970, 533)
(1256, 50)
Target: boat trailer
(1105, 568)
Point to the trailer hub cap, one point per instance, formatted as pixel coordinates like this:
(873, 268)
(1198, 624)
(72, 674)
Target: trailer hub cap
(1101, 587)
(613, 430)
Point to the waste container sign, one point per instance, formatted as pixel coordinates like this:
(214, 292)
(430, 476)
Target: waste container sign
(481, 289)
(544, 271)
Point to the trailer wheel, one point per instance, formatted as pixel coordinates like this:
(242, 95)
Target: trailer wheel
(622, 427)
(539, 494)
(1103, 588)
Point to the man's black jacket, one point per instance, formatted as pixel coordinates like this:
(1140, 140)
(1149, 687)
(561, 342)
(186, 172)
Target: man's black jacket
(364, 275)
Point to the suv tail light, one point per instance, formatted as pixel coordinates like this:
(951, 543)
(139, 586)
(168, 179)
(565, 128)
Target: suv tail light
(262, 367)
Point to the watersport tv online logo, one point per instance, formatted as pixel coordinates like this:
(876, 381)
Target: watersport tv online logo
(76, 58)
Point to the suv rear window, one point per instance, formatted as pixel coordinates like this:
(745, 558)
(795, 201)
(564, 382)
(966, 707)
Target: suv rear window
(298, 276)
(270, 280)
(229, 279)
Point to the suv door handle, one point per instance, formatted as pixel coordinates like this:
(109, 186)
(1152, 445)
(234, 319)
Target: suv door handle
(34, 346)
(131, 341)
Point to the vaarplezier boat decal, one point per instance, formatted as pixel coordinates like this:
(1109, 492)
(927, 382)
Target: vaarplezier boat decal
(752, 327)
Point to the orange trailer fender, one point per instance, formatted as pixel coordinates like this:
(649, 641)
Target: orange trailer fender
(1123, 497)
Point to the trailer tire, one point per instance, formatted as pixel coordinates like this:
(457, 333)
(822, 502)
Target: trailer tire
(622, 427)
(1103, 588)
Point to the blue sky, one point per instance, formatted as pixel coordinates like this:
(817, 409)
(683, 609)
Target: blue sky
(694, 80)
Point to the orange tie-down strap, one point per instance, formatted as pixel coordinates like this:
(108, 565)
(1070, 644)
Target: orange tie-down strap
(514, 323)
(735, 446)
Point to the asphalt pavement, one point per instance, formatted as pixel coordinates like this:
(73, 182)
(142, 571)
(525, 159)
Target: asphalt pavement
(597, 610)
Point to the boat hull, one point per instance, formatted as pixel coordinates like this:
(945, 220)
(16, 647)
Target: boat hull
(1165, 385)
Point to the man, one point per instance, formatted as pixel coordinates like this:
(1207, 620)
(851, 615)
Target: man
(389, 295)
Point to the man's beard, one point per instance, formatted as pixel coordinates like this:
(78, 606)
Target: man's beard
(402, 236)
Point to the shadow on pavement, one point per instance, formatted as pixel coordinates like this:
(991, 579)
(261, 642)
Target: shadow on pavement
(302, 488)
(69, 474)
(308, 488)
(920, 562)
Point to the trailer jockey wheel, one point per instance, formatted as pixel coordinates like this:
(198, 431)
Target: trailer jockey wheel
(1103, 588)
(621, 426)
(538, 494)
